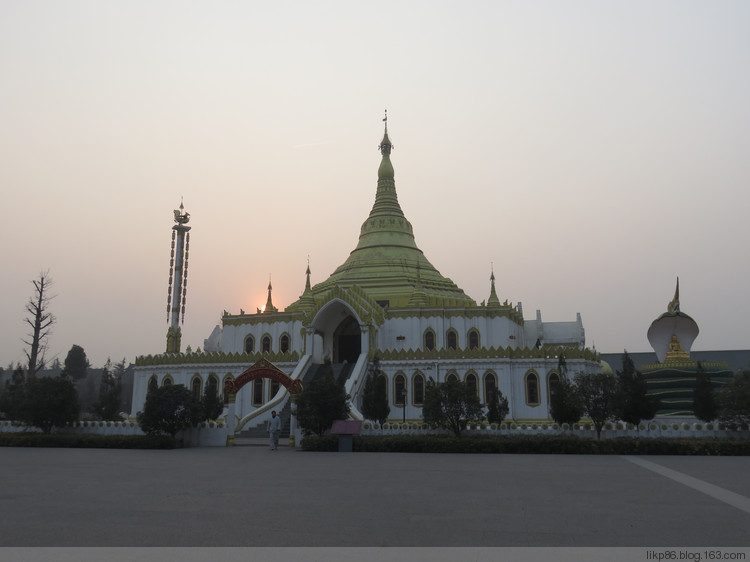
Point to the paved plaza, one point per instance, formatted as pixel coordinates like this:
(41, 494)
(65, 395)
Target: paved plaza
(250, 496)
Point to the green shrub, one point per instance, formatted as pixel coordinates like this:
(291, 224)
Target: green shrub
(169, 409)
(324, 443)
(88, 441)
(531, 444)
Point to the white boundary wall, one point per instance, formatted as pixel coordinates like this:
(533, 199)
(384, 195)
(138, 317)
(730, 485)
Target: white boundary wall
(653, 429)
(207, 434)
(667, 428)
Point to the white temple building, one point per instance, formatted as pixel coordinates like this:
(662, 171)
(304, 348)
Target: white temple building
(385, 299)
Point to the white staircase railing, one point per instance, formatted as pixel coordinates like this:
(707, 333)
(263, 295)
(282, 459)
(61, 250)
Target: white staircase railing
(279, 399)
(354, 385)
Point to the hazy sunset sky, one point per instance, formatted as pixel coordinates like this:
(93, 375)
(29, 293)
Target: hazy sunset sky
(592, 151)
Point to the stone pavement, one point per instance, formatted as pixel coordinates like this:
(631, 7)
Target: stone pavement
(251, 496)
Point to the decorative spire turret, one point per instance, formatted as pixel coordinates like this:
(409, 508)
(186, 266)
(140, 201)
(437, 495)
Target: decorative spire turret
(269, 304)
(385, 145)
(178, 270)
(385, 171)
(674, 304)
(493, 301)
(307, 301)
(386, 220)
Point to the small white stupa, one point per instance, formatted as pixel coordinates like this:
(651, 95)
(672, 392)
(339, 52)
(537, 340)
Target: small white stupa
(673, 333)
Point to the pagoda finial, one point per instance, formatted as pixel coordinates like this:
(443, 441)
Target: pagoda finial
(180, 216)
(385, 146)
(674, 305)
(269, 304)
(493, 301)
(306, 301)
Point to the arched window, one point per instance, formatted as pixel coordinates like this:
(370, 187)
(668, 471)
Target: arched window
(273, 388)
(195, 387)
(473, 339)
(399, 389)
(212, 384)
(257, 392)
(284, 343)
(553, 381)
(266, 343)
(152, 383)
(384, 382)
(429, 340)
(249, 344)
(532, 388)
(228, 385)
(167, 381)
(471, 381)
(417, 393)
(451, 339)
(490, 386)
(452, 376)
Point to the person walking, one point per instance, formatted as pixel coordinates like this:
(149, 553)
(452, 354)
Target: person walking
(274, 428)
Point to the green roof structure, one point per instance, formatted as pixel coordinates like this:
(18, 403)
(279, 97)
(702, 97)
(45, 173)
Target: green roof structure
(387, 264)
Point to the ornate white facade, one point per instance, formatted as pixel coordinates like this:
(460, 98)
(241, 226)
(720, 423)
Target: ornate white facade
(385, 300)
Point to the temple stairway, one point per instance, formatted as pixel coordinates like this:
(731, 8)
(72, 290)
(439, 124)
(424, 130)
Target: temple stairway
(341, 372)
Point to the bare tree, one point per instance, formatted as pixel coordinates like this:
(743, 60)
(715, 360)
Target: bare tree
(41, 320)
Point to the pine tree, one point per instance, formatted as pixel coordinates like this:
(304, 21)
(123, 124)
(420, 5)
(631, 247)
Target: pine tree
(565, 403)
(705, 406)
(110, 392)
(321, 403)
(375, 394)
(13, 394)
(76, 363)
(633, 402)
(497, 407)
(213, 404)
(734, 400)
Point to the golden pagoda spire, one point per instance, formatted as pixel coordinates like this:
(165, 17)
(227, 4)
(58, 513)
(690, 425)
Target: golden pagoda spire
(307, 301)
(385, 261)
(674, 304)
(307, 273)
(269, 304)
(493, 301)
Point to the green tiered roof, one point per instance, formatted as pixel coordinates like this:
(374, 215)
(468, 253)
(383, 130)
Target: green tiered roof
(387, 264)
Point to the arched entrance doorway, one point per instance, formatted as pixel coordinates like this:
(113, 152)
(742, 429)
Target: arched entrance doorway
(347, 341)
(338, 333)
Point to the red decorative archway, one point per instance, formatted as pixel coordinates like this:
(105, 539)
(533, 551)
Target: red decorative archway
(264, 369)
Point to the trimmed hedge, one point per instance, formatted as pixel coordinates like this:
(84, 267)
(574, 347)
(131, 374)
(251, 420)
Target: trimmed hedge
(532, 444)
(88, 441)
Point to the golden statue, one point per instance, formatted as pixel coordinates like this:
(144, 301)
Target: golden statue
(676, 354)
